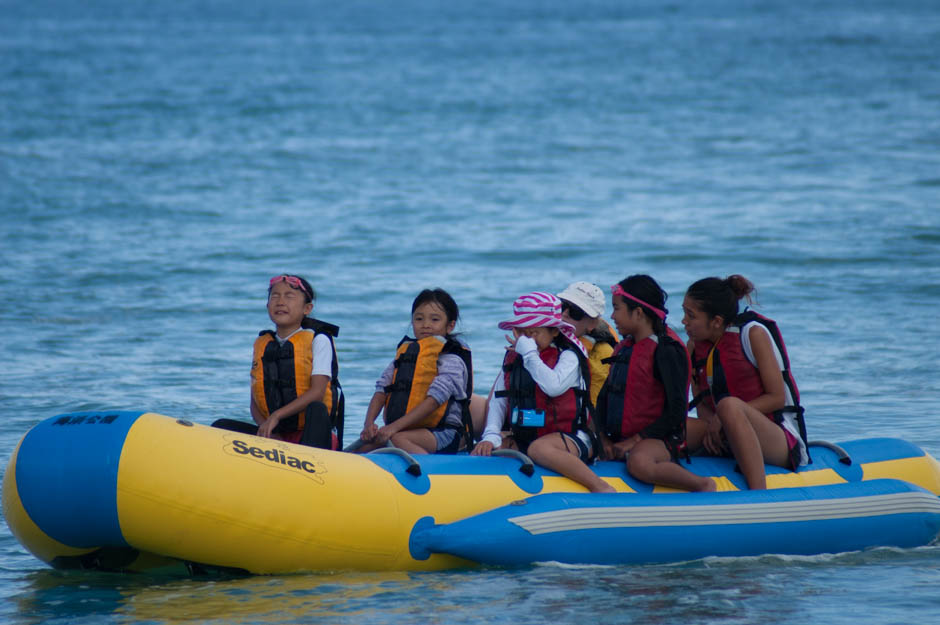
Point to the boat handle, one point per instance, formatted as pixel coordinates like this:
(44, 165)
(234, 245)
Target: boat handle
(527, 467)
(843, 455)
(354, 446)
(413, 467)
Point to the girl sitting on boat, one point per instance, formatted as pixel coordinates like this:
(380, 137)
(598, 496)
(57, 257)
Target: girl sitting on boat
(745, 394)
(295, 390)
(641, 409)
(582, 306)
(424, 392)
(541, 397)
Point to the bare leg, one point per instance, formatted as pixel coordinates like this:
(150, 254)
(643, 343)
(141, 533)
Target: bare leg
(419, 441)
(754, 440)
(552, 452)
(694, 433)
(651, 462)
(478, 406)
(367, 447)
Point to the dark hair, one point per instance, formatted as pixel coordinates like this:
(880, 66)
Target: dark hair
(720, 297)
(440, 297)
(602, 334)
(644, 288)
(562, 342)
(310, 296)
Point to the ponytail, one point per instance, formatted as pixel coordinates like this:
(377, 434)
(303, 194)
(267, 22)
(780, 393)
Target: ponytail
(717, 297)
(740, 286)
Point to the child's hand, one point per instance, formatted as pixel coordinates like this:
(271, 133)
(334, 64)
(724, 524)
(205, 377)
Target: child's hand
(712, 439)
(526, 345)
(266, 429)
(617, 451)
(384, 434)
(512, 339)
(368, 432)
(483, 448)
(627, 445)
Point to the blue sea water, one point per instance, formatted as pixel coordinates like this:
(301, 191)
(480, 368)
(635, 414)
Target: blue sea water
(160, 160)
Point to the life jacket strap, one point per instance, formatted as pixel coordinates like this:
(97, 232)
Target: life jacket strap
(698, 398)
(398, 385)
(406, 357)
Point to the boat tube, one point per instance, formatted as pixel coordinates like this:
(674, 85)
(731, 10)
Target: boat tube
(136, 491)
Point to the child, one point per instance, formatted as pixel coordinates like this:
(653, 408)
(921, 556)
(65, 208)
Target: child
(295, 390)
(743, 373)
(642, 406)
(425, 391)
(543, 393)
(582, 306)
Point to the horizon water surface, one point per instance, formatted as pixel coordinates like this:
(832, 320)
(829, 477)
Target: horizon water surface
(160, 161)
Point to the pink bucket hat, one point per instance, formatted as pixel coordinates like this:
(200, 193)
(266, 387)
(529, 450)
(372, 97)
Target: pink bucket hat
(540, 310)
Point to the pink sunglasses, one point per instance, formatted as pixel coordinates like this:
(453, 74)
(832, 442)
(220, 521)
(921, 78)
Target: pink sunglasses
(292, 281)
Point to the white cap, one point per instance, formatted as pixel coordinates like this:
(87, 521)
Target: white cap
(586, 296)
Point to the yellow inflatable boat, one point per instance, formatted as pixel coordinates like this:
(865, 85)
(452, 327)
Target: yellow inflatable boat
(136, 491)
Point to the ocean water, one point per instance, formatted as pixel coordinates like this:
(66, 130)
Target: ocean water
(159, 161)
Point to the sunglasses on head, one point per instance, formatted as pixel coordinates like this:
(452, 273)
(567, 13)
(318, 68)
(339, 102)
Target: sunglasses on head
(292, 281)
(573, 311)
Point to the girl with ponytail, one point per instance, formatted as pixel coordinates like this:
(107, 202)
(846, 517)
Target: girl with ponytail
(746, 398)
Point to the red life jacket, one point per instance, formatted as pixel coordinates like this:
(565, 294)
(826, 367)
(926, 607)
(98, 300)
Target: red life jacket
(564, 413)
(723, 370)
(634, 397)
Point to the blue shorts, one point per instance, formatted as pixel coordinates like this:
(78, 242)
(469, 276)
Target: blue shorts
(448, 439)
(581, 440)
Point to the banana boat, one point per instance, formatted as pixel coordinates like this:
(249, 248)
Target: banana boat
(139, 491)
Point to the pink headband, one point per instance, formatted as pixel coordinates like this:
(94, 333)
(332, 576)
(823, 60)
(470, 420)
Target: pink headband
(618, 290)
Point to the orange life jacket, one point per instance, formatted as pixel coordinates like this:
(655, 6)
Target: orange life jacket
(280, 373)
(415, 370)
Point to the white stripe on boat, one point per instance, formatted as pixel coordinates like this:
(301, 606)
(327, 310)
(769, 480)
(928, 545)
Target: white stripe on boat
(727, 514)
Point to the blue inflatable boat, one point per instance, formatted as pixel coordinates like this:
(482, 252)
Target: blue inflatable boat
(133, 491)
